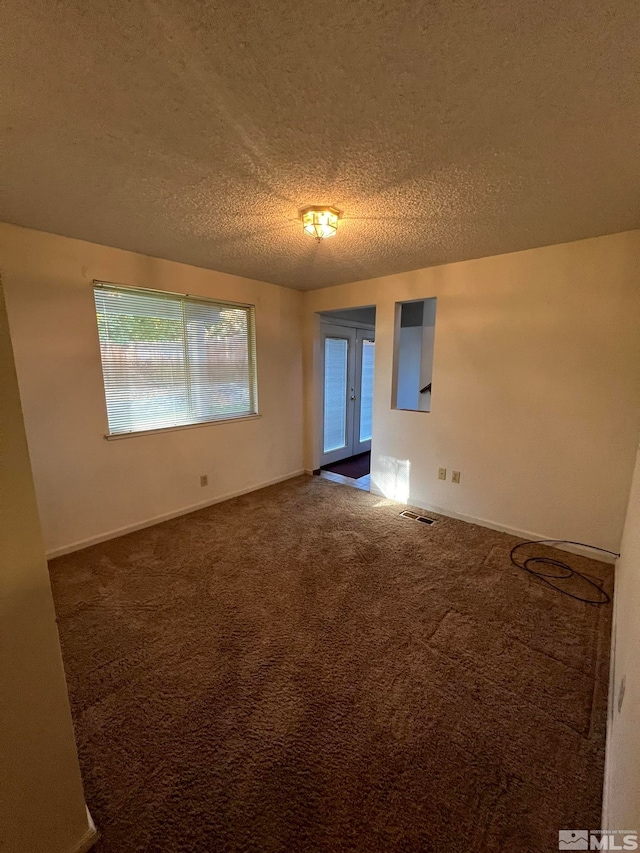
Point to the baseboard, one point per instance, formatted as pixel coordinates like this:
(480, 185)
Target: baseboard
(167, 516)
(503, 528)
(88, 839)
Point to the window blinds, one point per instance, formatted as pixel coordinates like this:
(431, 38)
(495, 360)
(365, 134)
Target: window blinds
(336, 354)
(170, 360)
(366, 389)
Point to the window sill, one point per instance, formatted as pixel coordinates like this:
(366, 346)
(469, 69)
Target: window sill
(118, 435)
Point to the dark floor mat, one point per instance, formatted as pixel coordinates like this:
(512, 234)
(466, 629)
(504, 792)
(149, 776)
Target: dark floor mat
(354, 467)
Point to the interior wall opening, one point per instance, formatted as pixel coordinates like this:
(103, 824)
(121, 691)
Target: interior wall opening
(413, 355)
(348, 361)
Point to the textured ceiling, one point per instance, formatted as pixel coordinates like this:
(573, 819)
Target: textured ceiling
(444, 130)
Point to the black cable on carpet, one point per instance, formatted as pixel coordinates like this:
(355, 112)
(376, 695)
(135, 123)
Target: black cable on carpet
(529, 562)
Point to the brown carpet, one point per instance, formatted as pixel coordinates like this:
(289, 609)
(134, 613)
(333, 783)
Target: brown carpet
(354, 467)
(301, 669)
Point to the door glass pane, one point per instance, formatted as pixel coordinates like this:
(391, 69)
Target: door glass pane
(366, 390)
(335, 393)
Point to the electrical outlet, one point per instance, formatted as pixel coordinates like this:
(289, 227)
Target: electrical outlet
(455, 477)
(442, 473)
(204, 480)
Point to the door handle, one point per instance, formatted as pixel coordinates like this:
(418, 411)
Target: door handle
(353, 397)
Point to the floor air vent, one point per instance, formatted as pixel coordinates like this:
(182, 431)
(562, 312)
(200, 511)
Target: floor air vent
(415, 517)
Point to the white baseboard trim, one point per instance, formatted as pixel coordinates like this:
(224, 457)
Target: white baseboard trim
(88, 839)
(503, 528)
(167, 516)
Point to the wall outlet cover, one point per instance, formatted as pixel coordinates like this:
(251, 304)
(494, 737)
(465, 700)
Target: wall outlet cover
(442, 473)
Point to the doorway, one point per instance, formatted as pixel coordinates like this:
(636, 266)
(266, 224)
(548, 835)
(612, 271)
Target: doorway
(348, 356)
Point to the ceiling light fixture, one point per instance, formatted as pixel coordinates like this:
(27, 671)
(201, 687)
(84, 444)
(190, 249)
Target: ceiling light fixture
(319, 221)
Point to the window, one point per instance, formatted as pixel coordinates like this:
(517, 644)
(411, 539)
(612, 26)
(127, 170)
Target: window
(366, 389)
(171, 360)
(413, 354)
(336, 361)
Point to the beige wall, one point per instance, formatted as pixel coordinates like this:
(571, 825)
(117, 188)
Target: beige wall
(88, 487)
(41, 804)
(622, 775)
(536, 388)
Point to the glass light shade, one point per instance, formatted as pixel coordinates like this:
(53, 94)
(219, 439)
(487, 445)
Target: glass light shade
(320, 222)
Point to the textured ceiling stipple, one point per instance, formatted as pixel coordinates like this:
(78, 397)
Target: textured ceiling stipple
(444, 130)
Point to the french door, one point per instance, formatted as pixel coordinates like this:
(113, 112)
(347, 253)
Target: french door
(347, 391)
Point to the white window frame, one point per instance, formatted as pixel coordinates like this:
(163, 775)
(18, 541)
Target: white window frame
(185, 297)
